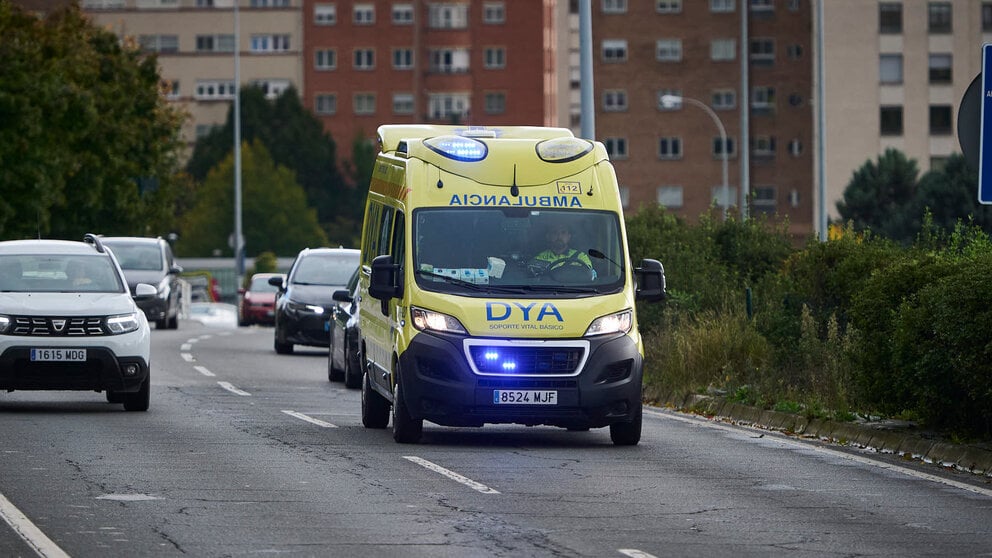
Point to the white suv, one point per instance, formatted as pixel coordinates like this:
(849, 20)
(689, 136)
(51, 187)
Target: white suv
(68, 321)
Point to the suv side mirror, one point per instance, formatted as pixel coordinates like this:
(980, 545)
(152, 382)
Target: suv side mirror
(341, 295)
(276, 282)
(650, 278)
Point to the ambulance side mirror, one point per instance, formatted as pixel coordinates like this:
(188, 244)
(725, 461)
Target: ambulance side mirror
(650, 279)
(385, 281)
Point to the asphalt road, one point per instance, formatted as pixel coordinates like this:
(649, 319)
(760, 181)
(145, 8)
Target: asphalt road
(245, 452)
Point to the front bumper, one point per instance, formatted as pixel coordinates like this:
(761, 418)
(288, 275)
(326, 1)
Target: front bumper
(440, 386)
(304, 328)
(155, 308)
(102, 370)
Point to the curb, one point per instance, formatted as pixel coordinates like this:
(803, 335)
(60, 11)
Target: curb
(881, 437)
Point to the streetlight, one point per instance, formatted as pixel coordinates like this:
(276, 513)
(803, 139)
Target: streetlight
(675, 101)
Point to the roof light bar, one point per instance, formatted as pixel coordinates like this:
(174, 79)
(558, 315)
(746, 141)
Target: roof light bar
(458, 148)
(563, 150)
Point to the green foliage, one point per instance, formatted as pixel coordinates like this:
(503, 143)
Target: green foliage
(879, 195)
(272, 203)
(88, 142)
(266, 262)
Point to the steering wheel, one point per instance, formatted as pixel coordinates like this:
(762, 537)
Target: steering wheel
(570, 271)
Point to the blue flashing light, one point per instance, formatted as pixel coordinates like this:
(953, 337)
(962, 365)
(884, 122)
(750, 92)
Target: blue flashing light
(458, 148)
(509, 365)
(492, 355)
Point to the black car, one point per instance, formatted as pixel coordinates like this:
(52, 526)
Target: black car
(304, 301)
(342, 354)
(150, 260)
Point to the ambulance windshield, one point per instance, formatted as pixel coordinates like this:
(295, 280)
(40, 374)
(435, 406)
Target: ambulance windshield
(544, 253)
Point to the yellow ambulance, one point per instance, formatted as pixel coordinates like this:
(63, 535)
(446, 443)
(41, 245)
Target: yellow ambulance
(496, 285)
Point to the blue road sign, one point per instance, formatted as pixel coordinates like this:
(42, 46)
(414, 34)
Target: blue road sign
(985, 145)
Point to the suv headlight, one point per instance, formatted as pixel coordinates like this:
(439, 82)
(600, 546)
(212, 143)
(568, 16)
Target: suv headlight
(429, 320)
(612, 323)
(307, 308)
(4, 324)
(125, 323)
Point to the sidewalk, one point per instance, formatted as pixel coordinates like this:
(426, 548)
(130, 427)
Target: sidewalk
(885, 436)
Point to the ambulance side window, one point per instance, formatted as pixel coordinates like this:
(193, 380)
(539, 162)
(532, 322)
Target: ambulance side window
(398, 248)
(382, 244)
(372, 232)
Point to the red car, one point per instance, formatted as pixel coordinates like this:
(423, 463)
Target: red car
(256, 304)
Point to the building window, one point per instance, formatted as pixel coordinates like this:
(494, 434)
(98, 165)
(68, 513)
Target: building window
(325, 59)
(668, 6)
(723, 49)
(763, 200)
(325, 14)
(402, 103)
(890, 68)
(669, 92)
(447, 16)
(669, 196)
(794, 52)
(890, 120)
(668, 50)
(940, 68)
(794, 5)
(210, 90)
(890, 18)
(669, 148)
(763, 51)
(204, 130)
(987, 17)
(795, 147)
(720, 147)
(939, 17)
(449, 106)
(614, 6)
(722, 199)
(940, 120)
(364, 103)
(494, 58)
(763, 146)
(364, 59)
(614, 100)
(763, 99)
(326, 103)
(103, 4)
(170, 88)
(724, 99)
(271, 88)
(722, 6)
(269, 43)
(449, 60)
(269, 3)
(616, 147)
(495, 103)
(402, 14)
(938, 162)
(762, 5)
(625, 196)
(402, 58)
(215, 43)
(493, 13)
(615, 50)
(363, 14)
(165, 43)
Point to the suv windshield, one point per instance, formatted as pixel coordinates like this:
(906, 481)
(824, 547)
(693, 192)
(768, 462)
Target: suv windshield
(54, 273)
(138, 257)
(481, 251)
(325, 269)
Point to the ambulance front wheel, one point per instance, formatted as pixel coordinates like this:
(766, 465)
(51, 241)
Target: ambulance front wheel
(406, 430)
(627, 433)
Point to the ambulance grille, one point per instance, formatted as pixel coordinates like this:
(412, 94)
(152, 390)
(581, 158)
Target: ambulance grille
(517, 361)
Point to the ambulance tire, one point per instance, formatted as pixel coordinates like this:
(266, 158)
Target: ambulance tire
(627, 433)
(406, 430)
(375, 408)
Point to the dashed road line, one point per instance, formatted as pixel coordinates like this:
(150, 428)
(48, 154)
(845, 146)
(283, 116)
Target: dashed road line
(451, 474)
(188, 357)
(229, 387)
(311, 420)
(28, 531)
(203, 370)
(634, 553)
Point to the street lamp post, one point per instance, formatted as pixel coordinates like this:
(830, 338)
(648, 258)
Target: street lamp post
(673, 101)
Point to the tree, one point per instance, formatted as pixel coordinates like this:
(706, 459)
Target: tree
(274, 210)
(879, 196)
(951, 195)
(88, 142)
(296, 139)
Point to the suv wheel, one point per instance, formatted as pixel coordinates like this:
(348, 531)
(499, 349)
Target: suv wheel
(139, 400)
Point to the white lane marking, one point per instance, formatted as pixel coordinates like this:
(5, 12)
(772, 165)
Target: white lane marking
(186, 347)
(311, 420)
(192, 340)
(187, 357)
(28, 531)
(634, 553)
(229, 387)
(451, 474)
(207, 336)
(203, 370)
(129, 497)
(831, 452)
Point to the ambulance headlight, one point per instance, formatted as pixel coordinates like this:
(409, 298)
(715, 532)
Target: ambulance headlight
(613, 323)
(563, 150)
(429, 320)
(458, 148)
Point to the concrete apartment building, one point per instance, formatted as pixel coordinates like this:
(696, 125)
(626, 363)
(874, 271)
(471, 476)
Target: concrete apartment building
(644, 51)
(195, 42)
(478, 62)
(895, 73)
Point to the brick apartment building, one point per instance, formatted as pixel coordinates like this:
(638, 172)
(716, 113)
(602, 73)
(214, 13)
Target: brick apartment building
(478, 62)
(644, 50)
